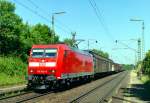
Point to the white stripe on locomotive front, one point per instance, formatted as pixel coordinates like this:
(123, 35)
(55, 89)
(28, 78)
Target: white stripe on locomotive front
(33, 64)
(50, 64)
(47, 64)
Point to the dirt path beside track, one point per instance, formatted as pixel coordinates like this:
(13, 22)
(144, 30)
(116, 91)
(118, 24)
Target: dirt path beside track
(133, 90)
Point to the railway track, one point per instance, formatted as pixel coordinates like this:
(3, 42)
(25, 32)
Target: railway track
(101, 99)
(52, 96)
(23, 97)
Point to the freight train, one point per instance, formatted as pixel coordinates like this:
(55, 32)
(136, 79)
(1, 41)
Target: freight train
(57, 64)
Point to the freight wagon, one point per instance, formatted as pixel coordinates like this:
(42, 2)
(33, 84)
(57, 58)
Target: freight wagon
(58, 64)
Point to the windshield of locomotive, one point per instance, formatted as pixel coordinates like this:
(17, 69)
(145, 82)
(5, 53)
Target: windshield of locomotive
(37, 53)
(50, 52)
(47, 53)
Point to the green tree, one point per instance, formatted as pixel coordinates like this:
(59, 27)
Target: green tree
(146, 64)
(128, 66)
(17, 37)
(10, 28)
(101, 53)
(42, 34)
(69, 42)
(37, 34)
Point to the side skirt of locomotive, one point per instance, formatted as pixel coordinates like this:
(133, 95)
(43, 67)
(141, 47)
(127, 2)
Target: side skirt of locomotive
(46, 82)
(40, 81)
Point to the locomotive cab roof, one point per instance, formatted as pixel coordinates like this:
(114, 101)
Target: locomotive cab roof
(65, 46)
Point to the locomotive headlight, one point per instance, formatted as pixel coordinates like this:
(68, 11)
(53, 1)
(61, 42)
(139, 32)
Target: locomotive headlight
(31, 71)
(53, 71)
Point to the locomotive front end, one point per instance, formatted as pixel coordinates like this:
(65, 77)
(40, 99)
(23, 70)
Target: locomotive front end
(42, 66)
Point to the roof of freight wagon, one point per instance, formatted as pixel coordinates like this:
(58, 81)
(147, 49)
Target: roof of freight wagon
(102, 57)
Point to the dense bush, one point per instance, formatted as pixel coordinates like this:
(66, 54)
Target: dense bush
(12, 70)
(16, 40)
(12, 66)
(146, 64)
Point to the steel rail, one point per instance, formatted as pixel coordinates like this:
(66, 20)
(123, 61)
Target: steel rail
(25, 98)
(104, 98)
(76, 100)
(23, 92)
(33, 97)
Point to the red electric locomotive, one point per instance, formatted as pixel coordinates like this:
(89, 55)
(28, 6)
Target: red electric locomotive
(57, 63)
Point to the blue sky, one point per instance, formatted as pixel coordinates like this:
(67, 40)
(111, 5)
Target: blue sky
(81, 18)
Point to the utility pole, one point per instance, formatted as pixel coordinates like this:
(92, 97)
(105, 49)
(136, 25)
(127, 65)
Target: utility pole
(143, 41)
(73, 38)
(53, 22)
(89, 42)
(53, 16)
(88, 45)
(53, 33)
(139, 50)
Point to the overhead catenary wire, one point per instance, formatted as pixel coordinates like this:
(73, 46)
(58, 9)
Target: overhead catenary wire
(31, 10)
(41, 9)
(37, 7)
(100, 19)
(38, 14)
